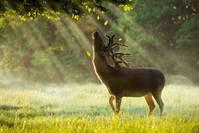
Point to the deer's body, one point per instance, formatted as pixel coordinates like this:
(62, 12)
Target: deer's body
(127, 82)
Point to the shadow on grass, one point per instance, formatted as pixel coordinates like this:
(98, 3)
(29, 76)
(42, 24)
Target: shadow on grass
(6, 123)
(50, 110)
(10, 107)
(82, 111)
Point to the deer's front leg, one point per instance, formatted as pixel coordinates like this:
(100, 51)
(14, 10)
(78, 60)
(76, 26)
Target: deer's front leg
(111, 98)
(118, 103)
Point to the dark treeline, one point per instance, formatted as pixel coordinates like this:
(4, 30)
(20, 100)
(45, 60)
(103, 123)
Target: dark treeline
(76, 7)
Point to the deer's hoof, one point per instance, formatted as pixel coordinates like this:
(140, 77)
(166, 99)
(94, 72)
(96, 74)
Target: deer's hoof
(116, 112)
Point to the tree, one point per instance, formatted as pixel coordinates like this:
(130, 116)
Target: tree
(34, 8)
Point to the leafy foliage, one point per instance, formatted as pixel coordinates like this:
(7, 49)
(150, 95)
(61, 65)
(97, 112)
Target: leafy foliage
(34, 8)
(168, 29)
(187, 35)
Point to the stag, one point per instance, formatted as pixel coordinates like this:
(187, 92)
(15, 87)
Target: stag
(122, 81)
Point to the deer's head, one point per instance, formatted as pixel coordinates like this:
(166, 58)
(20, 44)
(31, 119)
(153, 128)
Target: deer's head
(98, 44)
(109, 51)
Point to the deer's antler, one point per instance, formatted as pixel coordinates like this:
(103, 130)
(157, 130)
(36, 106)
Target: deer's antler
(110, 42)
(117, 57)
(111, 45)
(111, 39)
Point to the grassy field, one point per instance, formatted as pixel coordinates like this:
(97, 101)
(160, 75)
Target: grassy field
(84, 108)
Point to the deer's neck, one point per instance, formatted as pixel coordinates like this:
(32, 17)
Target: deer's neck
(102, 69)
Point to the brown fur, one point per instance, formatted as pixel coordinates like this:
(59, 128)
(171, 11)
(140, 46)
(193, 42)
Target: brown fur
(127, 82)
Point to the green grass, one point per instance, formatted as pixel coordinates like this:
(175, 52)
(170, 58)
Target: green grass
(84, 108)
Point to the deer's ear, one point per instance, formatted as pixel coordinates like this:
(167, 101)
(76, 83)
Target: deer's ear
(94, 34)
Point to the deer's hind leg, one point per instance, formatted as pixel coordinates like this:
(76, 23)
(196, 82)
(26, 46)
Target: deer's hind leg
(150, 102)
(111, 98)
(158, 98)
(118, 101)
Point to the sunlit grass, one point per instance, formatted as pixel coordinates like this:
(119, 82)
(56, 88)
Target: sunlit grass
(85, 108)
(105, 124)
